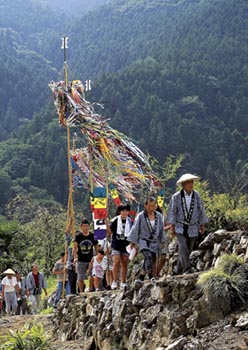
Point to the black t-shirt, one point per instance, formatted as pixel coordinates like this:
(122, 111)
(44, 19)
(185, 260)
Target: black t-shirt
(85, 246)
(119, 242)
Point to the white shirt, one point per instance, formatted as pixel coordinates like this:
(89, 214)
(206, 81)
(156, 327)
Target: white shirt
(9, 284)
(152, 223)
(188, 198)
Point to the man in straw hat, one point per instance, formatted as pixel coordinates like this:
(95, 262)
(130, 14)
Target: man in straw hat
(187, 217)
(9, 291)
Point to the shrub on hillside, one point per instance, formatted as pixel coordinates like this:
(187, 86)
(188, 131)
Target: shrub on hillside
(225, 287)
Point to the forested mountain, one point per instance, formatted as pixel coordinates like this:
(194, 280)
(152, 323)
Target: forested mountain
(171, 74)
(27, 31)
(73, 7)
(181, 85)
(23, 80)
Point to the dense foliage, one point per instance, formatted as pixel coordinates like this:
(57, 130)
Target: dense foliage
(30, 337)
(32, 231)
(22, 91)
(73, 7)
(179, 81)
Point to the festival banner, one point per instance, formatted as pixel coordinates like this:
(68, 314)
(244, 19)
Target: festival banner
(100, 212)
(114, 194)
(160, 198)
(129, 167)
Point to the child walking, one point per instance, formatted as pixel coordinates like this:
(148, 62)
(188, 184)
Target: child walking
(96, 267)
(107, 261)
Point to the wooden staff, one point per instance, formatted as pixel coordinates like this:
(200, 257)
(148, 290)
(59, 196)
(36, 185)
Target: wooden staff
(70, 205)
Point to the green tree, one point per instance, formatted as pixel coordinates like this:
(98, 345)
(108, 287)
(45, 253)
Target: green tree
(8, 234)
(5, 185)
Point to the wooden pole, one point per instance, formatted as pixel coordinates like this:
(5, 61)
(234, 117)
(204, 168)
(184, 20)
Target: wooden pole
(70, 205)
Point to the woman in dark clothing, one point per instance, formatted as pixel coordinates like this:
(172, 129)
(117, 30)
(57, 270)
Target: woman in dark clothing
(119, 228)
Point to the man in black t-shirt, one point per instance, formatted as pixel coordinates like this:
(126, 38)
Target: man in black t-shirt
(83, 252)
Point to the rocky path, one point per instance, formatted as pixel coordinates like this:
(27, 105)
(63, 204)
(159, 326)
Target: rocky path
(218, 336)
(223, 336)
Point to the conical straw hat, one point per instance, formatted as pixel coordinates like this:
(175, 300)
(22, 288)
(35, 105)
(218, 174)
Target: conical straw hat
(187, 177)
(9, 272)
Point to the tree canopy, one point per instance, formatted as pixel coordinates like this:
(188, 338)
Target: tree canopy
(172, 75)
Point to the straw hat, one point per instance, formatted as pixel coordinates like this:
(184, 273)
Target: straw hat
(9, 272)
(187, 177)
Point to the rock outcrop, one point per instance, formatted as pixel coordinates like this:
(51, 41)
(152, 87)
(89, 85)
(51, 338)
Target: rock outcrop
(162, 315)
(217, 243)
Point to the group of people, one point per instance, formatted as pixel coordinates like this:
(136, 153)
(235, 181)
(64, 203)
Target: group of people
(16, 291)
(106, 262)
(185, 218)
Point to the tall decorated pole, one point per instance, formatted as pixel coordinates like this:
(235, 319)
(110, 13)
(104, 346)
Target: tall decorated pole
(126, 168)
(65, 47)
(70, 206)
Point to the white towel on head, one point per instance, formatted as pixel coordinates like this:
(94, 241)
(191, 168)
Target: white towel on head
(128, 226)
